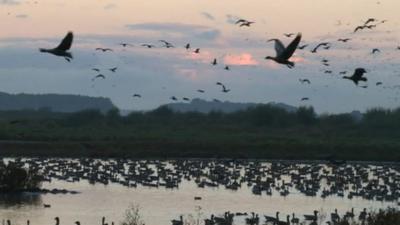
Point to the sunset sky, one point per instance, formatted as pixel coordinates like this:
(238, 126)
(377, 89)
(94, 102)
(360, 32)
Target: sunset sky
(159, 73)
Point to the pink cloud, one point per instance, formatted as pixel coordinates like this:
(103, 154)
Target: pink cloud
(297, 59)
(244, 59)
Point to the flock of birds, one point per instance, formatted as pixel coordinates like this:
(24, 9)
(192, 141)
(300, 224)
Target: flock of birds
(381, 183)
(228, 218)
(372, 182)
(252, 218)
(283, 54)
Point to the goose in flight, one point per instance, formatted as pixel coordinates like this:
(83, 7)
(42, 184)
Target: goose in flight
(305, 99)
(305, 81)
(225, 90)
(370, 26)
(113, 69)
(357, 76)
(62, 48)
(375, 50)
(174, 98)
(364, 26)
(219, 83)
(104, 49)
(289, 34)
(243, 22)
(283, 54)
(137, 96)
(99, 76)
(378, 83)
(185, 99)
(166, 44)
(344, 40)
(301, 47)
(96, 69)
(325, 44)
(148, 45)
(359, 28)
(240, 21)
(187, 46)
(123, 44)
(370, 20)
(246, 24)
(200, 91)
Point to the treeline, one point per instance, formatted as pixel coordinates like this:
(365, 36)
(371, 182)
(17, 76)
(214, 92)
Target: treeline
(263, 131)
(382, 121)
(261, 116)
(53, 102)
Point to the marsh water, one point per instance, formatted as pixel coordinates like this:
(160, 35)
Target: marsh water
(161, 205)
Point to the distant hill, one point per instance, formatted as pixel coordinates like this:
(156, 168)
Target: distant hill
(199, 105)
(53, 102)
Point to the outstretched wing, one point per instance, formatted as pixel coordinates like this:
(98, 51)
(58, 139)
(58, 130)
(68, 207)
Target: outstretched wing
(66, 43)
(279, 47)
(291, 48)
(240, 21)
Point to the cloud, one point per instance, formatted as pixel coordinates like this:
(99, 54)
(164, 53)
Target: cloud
(244, 59)
(110, 6)
(192, 30)
(208, 16)
(203, 56)
(9, 2)
(21, 16)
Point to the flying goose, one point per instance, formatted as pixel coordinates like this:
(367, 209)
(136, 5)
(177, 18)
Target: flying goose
(357, 76)
(283, 54)
(62, 48)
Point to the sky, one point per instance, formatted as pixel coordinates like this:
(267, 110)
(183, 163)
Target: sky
(159, 73)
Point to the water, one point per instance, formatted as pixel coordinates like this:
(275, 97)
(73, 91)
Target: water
(160, 205)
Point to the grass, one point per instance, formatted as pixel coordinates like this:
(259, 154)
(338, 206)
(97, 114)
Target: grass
(164, 134)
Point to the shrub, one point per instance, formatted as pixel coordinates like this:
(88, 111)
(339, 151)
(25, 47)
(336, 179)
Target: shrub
(132, 216)
(16, 178)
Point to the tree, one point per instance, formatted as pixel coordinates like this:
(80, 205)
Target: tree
(16, 178)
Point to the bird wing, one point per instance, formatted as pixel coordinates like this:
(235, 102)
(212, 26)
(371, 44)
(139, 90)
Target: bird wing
(359, 28)
(291, 48)
(279, 47)
(240, 21)
(66, 43)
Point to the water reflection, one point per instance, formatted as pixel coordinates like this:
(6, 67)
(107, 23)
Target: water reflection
(17, 200)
